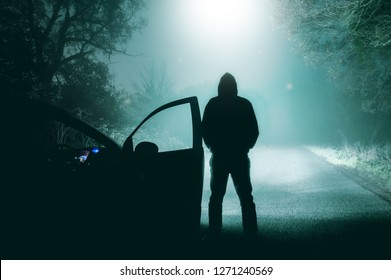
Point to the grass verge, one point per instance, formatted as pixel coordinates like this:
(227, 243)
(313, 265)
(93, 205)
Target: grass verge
(371, 163)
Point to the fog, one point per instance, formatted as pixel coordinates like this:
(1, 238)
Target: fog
(198, 41)
(317, 73)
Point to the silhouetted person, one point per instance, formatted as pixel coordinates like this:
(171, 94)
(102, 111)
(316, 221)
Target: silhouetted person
(230, 130)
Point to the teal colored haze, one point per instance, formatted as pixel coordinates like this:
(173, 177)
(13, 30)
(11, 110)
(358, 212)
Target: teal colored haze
(198, 41)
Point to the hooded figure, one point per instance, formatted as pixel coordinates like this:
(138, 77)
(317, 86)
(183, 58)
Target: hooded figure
(230, 130)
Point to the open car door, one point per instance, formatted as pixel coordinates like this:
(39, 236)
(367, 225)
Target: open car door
(167, 159)
(71, 192)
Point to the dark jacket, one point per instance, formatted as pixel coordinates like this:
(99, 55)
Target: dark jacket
(229, 125)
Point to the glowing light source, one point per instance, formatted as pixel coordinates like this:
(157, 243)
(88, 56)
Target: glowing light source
(222, 21)
(219, 15)
(217, 36)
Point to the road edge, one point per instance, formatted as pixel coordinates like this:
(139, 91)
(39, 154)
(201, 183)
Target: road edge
(362, 178)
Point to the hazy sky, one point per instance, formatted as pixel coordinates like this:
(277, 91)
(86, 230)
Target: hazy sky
(199, 40)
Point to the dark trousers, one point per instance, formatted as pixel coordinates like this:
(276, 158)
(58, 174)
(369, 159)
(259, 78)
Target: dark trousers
(239, 168)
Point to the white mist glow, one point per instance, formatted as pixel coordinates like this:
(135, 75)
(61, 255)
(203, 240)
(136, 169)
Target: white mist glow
(230, 23)
(200, 40)
(221, 17)
(224, 36)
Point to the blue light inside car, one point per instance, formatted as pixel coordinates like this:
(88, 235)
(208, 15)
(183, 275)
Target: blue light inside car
(95, 150)
(82, 158)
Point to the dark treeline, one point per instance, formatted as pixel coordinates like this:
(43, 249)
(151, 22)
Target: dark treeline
(59, 52)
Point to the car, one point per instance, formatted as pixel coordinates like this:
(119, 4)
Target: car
(70, 191)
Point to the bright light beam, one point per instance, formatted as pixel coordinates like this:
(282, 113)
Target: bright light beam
(222, 22)
(221, 16)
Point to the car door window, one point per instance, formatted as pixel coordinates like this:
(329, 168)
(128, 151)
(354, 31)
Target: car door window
(170, 130)
(58, 133)
(69, 145)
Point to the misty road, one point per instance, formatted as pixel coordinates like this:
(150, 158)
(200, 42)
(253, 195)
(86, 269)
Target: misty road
(306, 208)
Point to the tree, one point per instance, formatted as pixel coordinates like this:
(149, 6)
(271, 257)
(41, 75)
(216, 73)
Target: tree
(86, 85)
(352, 38)
(42, 39)
(153, 87)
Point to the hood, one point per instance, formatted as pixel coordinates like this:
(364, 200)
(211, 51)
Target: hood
(227, 86)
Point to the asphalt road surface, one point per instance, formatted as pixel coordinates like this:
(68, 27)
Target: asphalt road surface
(307, 209)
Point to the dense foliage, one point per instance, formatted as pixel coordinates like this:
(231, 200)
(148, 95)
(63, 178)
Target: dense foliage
(352, 38)
(58, 51)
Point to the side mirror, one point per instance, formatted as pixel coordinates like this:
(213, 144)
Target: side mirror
(146, 149)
